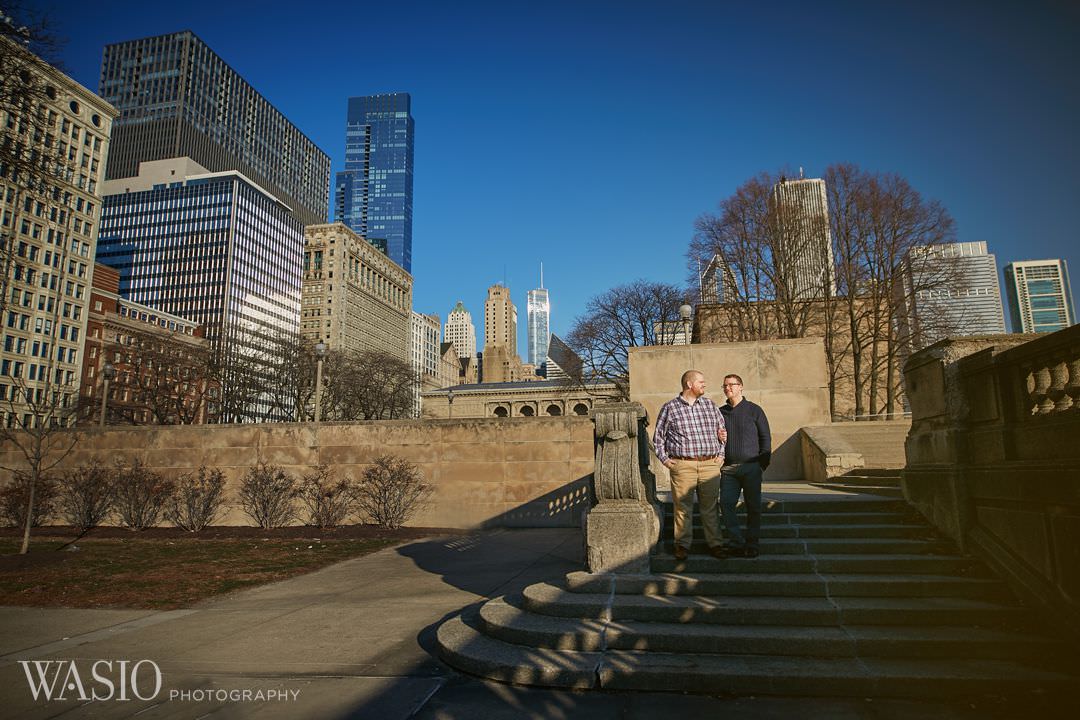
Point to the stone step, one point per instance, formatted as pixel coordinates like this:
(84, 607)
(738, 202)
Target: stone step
(838, 518)
(547, 599)
(790, 585)
(861, 563)
(461, 645)
(504, 621)
(876, 472)
(839, 504)
(873, 489)
(851, 546)
(776, 530)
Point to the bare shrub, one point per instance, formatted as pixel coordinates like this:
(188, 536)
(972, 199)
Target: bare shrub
(141, 494)
(196, 500)
(267, 495)
(391, 491)
(86, 496)
(15, 495)
(328, 500)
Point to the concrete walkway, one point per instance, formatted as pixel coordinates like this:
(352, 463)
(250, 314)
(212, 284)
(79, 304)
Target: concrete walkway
(349, 641)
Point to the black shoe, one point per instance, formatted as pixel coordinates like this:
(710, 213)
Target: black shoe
(750, 553)
(681, 553)
(719, 553)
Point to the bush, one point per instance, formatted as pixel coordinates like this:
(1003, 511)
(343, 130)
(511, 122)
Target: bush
(391, 491)
(86, 496)
(328, 501)
(15, 495)
(267, 493)
(141, 494)
(196, 500)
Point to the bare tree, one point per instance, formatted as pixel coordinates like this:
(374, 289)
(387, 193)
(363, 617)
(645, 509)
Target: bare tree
(367, 385)
(638, 314)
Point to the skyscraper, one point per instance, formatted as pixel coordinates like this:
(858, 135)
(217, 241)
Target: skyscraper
(948, 290)
(461, 331)
(375, 191)
(539, 316)
(1040, 297)
(500, 320)
(177, 98)
(213, 248)
(803, 251)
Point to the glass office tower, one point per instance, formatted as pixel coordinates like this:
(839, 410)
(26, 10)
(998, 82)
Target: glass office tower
(1040, 298)
(213, 248)
(374, 194)
(539, 317)
(177, 98)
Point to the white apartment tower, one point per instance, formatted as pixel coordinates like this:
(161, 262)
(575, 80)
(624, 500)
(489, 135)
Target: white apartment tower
(459, 329)
(803, 250)
(1040, 297)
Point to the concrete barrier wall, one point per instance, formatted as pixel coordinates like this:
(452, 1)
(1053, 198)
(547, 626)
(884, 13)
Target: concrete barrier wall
(532, 472)
(787, 378)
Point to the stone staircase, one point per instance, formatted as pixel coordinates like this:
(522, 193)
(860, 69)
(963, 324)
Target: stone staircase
(878, 481)
(852, 596)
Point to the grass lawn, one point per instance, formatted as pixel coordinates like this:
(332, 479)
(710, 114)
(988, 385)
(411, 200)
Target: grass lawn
(160, 573)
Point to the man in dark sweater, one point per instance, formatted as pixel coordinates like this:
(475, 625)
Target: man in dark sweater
(749, 448)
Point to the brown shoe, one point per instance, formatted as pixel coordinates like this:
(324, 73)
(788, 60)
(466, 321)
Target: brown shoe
(681, 553)
(719, 553)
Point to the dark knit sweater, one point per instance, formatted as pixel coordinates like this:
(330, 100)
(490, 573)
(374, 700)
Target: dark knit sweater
(748, 435)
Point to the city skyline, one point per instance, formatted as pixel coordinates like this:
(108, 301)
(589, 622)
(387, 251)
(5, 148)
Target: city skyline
(491, 152)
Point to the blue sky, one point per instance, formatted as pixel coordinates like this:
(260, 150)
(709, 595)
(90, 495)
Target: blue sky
(590, 135)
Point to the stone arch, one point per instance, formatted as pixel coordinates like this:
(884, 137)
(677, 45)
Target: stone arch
(553, 410)
(526, 411)
(500, 412)
(581, 409)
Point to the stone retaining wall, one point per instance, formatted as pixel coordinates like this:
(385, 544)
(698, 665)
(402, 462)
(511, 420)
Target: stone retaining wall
(532, 472)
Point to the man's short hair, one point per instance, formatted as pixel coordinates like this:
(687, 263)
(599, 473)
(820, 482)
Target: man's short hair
(689, 374)
(733, 375)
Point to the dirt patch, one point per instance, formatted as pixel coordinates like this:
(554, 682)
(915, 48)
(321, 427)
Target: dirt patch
(164, 568)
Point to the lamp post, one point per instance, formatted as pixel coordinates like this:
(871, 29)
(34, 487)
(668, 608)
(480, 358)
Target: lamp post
(450, 401)
(685, 312)
(320, 353)
(108, 372)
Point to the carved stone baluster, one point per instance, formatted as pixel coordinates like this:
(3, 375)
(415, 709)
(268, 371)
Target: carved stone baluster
(1043, 402)
(1029, 383)
(1072, 387)
(1059, 374)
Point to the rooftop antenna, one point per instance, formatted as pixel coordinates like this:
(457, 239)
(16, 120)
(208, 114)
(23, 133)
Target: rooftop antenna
(800, 172)
(541, 274)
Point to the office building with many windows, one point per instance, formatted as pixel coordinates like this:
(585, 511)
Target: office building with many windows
(213, 248)
(1040, 297)
(948, 290)
(374, 194)
(55, 139)
(538, 311)
(177, 98)
(803, 251)
(461, 331)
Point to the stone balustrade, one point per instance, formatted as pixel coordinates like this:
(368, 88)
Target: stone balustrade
(993, 457)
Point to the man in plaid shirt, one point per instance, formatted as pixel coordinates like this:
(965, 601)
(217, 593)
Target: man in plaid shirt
(687, 438)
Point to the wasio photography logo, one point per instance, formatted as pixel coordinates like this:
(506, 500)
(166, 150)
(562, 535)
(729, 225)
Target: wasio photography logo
(126, 680)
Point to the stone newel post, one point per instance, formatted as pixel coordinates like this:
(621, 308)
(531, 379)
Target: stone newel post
(623, 527)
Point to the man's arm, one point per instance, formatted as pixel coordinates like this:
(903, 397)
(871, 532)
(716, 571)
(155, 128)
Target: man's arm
(660, 436)
(764, 439)
(721, 430)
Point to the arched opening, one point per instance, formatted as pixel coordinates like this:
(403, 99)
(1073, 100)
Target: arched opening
(581, 409)
(554, 410)
(500, 412)
(526, 411)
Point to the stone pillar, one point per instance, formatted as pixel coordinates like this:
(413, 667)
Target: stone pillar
(623, 528)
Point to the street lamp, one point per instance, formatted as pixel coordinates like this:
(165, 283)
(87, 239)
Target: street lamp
(108, 372)
(450, 401)
(320, 353)
(685, 312)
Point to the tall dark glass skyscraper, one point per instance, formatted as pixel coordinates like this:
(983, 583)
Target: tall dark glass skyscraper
(375, 191)
(177, 98)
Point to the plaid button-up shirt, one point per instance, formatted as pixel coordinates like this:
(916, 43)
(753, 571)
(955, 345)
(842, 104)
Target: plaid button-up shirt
(688, 430)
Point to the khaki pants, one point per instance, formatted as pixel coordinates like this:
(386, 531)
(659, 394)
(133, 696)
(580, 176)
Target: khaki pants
(702, 476)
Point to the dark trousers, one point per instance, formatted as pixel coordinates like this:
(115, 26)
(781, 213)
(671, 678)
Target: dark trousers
(744, 478)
